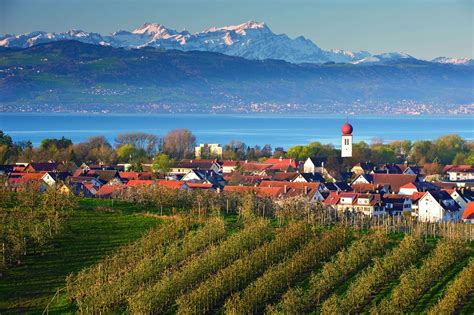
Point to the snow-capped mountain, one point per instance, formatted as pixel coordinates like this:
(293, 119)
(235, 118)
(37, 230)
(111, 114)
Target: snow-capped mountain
(251, 40)
(455, 61)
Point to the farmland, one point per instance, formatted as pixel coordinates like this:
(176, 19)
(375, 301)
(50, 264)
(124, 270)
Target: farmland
(115, 256)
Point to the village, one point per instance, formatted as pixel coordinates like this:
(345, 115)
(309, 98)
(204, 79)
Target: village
(370, 189)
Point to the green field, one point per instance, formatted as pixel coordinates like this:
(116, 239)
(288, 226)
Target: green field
(88, 234)
(99, 227)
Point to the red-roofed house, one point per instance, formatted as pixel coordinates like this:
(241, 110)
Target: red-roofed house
(140, 182)
(368, 204)
(228, 166)
(468, 214)
(175, 184)
(106, 191)
(438, 206)
(394, 181)
(461, 172)
(135, 175)
(199, 186)
(281, 164)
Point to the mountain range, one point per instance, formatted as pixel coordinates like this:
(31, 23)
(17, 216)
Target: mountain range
(251, 40)
(69, 75)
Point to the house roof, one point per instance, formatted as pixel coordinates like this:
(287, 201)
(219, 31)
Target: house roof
(194, 164)
(105, 176)
(273, 192)
(140, 182)
(280, 162)
(108, 190)
(199, 185)
(229, 163)
(313, 177)
(440, 196)
(420, 186)
(363, 187)
(254, 166)
(6, 168)
(468, 213)
(416, 196)
(366, 166)
(332, 199)
(368, 177)
(317, 161)
(390, 169)
(395, 181)
(44, 166)
(135, 175)
(393, 198)
(170, 183)
(331, 186)
(273, 183)
(415, 169)
(460, 169)
(81, 179)
(285, 176)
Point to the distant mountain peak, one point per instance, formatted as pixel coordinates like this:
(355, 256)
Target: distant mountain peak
(251, 40)
(239, 28)
(455, 61)
(154, 29)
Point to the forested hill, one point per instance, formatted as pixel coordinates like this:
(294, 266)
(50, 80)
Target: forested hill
(71, 73)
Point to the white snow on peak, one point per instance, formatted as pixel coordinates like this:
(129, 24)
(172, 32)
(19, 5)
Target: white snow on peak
(155, 29)
(455, 61)
(251, 40)
(240, 28)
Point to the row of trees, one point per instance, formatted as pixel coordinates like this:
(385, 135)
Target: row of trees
(449, 149)
(140, 147)
(135, 147)
(29, 219)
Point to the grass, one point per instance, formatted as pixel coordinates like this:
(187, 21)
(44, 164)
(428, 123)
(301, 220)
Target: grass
(99, 226)
(436, 292)
(87, 236)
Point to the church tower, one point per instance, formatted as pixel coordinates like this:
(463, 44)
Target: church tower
(346, 147)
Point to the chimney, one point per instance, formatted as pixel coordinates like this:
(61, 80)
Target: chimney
(281, 158)
(305, 190)
(285, 189)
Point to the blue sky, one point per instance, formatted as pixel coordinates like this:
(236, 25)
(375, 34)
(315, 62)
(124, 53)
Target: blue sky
(422, 28)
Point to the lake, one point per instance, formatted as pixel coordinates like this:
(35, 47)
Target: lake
(277, 130)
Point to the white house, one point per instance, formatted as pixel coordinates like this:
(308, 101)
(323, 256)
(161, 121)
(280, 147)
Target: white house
(458, 198)
(363, 179)
(462, 172)
(185, 166)
(229, 166)
(211, 149)
(438, 206)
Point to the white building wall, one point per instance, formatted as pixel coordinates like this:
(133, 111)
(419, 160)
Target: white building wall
(429, 210)
(346, 146)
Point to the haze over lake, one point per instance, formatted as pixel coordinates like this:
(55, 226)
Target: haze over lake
(277, 130)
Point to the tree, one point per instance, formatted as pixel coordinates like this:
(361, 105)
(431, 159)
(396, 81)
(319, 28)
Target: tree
(5, 139)
(161, 163)
(179, 143)
(422, 152)
(141, 141)
(62, 143)
(279, 152)
(447, 147)
(267, 151)
(126, 152)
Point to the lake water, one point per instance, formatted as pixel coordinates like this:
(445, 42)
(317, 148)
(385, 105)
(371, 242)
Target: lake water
(277, 130)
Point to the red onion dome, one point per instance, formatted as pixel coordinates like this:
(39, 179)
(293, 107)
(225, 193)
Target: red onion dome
(347, 129)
